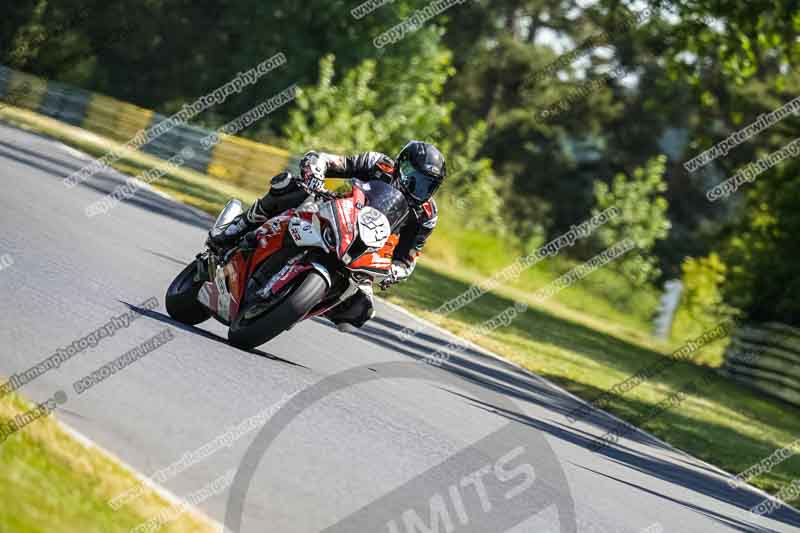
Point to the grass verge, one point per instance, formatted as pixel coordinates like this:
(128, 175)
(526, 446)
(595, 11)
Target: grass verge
(724, 424)
(51, 482)
(587, 338)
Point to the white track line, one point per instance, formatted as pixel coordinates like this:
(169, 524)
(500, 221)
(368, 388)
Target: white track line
(488, 353)
(74, 153)
(165, 493)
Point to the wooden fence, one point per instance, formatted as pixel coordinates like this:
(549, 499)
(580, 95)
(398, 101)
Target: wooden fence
(766, 357)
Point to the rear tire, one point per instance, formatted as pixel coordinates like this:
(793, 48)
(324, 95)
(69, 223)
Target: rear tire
(301, 299)
(181, 298)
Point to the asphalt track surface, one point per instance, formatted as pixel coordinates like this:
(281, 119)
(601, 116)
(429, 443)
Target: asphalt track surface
(379, 441)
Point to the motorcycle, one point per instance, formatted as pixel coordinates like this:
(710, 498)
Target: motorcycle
(299, 264)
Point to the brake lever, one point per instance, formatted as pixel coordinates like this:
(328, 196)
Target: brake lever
(326, 195)
(387, 282)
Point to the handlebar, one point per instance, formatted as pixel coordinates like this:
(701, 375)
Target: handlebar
(327, 195)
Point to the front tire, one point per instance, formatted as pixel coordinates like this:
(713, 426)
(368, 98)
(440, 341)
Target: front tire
(181, 298)
(249, 333)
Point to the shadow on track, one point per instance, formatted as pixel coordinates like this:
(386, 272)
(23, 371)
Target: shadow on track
(739, 525)
(161, 317)
(506, 379)
(168, 257)
(104, 183)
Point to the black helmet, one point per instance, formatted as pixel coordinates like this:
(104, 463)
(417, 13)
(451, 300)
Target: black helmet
(420, 170)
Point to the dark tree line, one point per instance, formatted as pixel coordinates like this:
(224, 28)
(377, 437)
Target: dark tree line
(695, 72)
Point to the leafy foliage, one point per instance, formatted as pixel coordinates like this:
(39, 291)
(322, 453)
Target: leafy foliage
(642, 217)
(702, 297)
(475, 79)
(360, 113)
(472, 187)
(762, 249)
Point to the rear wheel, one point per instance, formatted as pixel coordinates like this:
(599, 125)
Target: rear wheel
(181, 299)
(253, 328)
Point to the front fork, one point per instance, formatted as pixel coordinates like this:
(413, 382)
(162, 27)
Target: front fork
(351, 289)
(206, 263)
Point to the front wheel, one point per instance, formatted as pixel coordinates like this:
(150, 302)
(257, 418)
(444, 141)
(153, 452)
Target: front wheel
(181, 299)
(248, 331)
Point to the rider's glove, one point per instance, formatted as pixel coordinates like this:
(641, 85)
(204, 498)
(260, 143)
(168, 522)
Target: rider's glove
(400, 272)
(312, 172)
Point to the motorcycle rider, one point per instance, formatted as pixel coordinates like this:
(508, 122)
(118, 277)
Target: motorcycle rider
(418, 172)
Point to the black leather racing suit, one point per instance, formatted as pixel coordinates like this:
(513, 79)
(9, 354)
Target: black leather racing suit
(286, 193)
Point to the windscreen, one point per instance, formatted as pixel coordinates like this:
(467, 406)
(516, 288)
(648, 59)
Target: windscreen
(232, 209)
(387, 200)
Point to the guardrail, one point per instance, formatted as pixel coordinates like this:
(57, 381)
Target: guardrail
(766, 357)
(237, 160)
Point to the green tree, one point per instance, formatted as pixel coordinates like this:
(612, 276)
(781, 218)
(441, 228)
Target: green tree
(358, 112)
(740, 60)
(703, 279)
(642, 216)
(472, 187)
(761, 247)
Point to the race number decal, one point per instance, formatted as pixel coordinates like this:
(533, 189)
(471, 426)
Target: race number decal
(373, 227)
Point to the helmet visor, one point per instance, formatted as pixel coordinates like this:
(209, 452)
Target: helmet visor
(418, 185)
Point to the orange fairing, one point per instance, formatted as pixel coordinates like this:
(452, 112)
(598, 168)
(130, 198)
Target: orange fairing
(382, 259)
(346, 214)
(270, 240)
(236, 274)
(238, 270)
